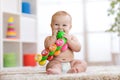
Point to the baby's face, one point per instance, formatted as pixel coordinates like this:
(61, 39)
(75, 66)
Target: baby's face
(61, 23)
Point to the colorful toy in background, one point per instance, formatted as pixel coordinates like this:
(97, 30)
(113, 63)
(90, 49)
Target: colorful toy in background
(26, 7)
(53, 50)
(10, 59)
(11, 33)
(28, 59)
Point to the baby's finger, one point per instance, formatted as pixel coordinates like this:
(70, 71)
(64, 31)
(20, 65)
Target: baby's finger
(67, 36)
(55, 32)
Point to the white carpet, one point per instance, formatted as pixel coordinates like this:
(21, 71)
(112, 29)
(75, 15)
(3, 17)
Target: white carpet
(35, 73)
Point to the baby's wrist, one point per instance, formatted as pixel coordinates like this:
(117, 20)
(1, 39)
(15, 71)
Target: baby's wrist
(54, 37)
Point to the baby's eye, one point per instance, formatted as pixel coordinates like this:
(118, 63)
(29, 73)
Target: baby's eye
(64, 25)
(56, 24)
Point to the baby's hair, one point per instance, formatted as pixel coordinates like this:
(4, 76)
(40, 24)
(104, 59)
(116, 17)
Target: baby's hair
(63, 13)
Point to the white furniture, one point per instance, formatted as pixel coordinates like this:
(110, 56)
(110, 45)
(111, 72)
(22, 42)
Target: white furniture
(26, 29)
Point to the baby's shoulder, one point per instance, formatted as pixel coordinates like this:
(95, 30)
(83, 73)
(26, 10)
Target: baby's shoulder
(73, 37)
(48, 37)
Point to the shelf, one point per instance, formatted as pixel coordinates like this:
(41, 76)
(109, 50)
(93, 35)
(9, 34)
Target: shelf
(29, 48)
(32, 16)
(12, 47)
(10, 5)
(28, 29)
(13, 13)
(11, 40)
(18, 34)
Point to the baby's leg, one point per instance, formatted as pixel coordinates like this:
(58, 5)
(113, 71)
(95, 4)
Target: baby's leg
(53, 67)
(77, 66)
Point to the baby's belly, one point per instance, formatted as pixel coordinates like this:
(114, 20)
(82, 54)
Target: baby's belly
(65, 56)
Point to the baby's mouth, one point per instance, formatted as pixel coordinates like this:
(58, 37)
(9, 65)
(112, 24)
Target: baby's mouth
(61, 30)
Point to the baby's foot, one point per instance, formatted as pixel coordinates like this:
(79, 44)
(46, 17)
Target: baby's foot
(52, 71)
(75, 70)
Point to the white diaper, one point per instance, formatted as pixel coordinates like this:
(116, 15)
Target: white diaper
(65, 67)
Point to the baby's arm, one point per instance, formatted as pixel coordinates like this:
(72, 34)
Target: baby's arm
(73, 43)
(49, 41)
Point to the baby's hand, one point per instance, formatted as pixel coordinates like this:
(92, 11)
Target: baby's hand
(55, 33)
(67, 36)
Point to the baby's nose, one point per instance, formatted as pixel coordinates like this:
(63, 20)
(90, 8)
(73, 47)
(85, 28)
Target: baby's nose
(60, 28)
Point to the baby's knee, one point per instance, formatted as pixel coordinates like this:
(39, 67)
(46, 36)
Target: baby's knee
(53, 64)
(75, 62)
(84, 65)
(79, 63)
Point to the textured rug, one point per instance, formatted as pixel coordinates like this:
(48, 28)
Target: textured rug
(36, 73)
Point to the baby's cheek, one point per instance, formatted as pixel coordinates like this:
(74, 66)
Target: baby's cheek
(57, 29)
(66, 31)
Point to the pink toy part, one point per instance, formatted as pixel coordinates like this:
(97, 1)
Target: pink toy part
(64, 47)
(10, 29)
(59, 42)
(50, 58)
(45, 52)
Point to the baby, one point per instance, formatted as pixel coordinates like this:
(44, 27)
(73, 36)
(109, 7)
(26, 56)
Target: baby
(62, 21)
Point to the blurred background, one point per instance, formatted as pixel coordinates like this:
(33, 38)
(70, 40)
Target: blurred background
(90, 21)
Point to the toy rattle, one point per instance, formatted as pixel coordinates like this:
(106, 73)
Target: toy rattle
(53, 50)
